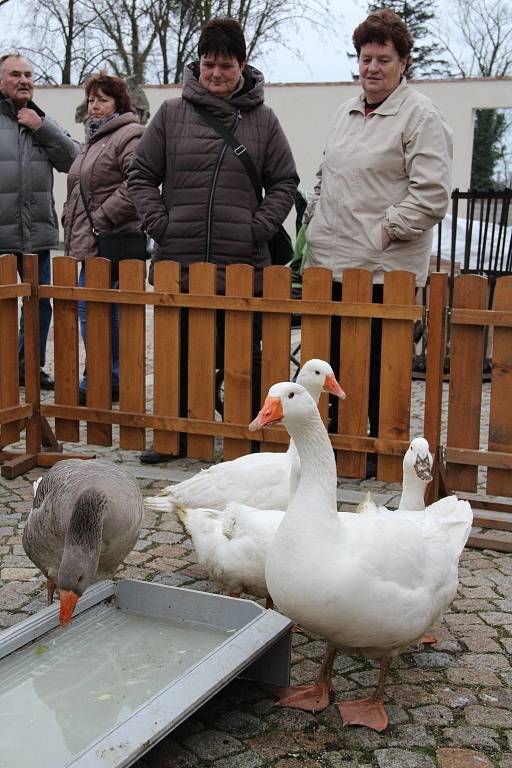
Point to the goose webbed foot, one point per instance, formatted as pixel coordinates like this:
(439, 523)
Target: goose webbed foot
(368, 712)
(311, 698)
(427, 639)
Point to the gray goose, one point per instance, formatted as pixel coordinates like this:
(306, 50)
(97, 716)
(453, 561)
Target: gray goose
(85, 519)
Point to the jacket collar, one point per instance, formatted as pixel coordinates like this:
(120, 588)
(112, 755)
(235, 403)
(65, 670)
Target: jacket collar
(391, 105)
(31, 105)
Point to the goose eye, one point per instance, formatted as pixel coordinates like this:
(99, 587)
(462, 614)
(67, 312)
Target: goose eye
(290, 395)
(317, 373)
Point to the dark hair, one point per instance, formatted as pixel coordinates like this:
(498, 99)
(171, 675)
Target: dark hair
(381, 26)
(222, 37)
(111, 86)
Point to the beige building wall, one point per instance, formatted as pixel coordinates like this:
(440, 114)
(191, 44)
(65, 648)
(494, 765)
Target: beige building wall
(305, 111)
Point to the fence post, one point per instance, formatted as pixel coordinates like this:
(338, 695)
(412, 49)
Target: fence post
(32, 362)
(434, 377)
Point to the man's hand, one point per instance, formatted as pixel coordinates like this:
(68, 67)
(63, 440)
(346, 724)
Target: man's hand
(29, 118)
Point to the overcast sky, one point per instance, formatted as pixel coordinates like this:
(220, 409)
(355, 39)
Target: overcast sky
(323, 56)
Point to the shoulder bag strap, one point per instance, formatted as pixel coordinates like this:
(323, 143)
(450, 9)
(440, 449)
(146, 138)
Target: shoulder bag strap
(82, 195)
(239, 149)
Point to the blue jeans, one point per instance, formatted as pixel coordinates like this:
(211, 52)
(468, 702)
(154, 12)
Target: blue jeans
(82, 316)
(45, 310)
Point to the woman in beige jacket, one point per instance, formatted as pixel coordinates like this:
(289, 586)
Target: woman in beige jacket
(98, 174)
(385, 179)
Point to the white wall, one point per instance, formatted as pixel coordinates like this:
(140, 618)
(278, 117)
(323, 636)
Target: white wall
(305, 111)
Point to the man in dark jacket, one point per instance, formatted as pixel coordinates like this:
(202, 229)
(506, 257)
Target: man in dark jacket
(208, 209)
(31, 146)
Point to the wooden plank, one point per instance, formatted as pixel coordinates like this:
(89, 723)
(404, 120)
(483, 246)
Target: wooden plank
(396, 372)
(9, 380)
(13, 291)
(201, 360)
(484, 518)
(276, 329)
(499, 481)
(15, 413)
(315, 334)
(436, 330)
(66, 357)
(494, 317)
(32, 363)
(465, 391)
(238, 369)
(488, 541)
(19, 465)
(355, 370)
(166, 355)
(497, 459)
(271, 306)
(99, 351)
(132, 354)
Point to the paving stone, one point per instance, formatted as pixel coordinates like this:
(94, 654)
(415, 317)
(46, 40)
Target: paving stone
(401, 758)
(211, 745)
(496, 697)
(14, 595)
(468, 676)
(343, 760)
(19, 574)
(451, 757)
(297, 762)
(471, 736)
(505, 761)
(480, 592)
(497, 618)
(246, 759)
(462, 619)
(314, 740)
(481, 644)
(493, 717)
(169, 754)
(409, 695)
(410, 736)
(455, 699)
(240, 724)
(433, 660)
(494, 661)
(470, 606)
(171, 579)
(273, 745)
(433, 714)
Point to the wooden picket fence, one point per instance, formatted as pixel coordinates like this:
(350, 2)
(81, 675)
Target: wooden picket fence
(468, 319)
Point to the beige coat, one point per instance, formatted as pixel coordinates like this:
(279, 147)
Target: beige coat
(102, 165)
(390, 169)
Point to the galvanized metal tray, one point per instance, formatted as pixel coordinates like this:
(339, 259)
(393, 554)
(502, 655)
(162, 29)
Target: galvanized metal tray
(137, 660)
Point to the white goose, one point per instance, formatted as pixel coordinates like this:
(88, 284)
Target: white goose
(232, 542)
(85, 519)
(261, 480)
(366, 583)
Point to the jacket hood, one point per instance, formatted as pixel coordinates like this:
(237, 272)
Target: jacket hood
(30, 105)
(251, 95)
(117, 122)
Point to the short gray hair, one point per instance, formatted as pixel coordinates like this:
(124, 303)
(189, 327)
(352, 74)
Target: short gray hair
(14, 54)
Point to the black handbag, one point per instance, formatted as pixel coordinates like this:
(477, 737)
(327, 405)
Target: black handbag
(117, 246)
(280, 244)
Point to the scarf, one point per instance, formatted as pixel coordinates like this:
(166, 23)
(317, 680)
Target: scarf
(95, 125)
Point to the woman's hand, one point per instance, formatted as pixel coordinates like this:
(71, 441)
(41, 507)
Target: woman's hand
(385, 239)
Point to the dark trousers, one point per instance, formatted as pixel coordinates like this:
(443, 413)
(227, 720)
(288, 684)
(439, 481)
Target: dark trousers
(375, 358)
(45, 309)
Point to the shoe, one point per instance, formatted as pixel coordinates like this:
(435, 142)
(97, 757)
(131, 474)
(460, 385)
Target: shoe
(150, 456)
(45, 380)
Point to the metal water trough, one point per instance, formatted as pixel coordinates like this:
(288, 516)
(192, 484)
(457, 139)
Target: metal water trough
(137, 660)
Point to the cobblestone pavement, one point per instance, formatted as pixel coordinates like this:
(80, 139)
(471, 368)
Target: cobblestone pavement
(450, 705)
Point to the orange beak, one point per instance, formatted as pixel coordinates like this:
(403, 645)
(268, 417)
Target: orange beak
(331, 385)
(271, 413)
(68, 600)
